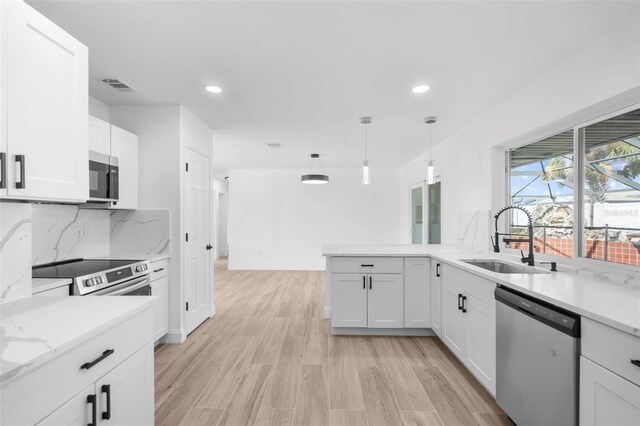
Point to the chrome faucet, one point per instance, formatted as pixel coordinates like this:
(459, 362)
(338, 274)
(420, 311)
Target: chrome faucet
(496, 243)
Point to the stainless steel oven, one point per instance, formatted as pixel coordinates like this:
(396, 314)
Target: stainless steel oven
(100, 277)
(103, 177)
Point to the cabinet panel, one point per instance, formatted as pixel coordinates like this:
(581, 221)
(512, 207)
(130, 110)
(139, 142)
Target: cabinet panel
(124, 146)
(480, 340)
(129, 390)
(160, 288)
(417, 306)
(436, 297)
(349, 300)
(386, 301)
(452, 319)
(76, 412)
(47, 108)
(99, 136)
(606, 398)
(367, 265)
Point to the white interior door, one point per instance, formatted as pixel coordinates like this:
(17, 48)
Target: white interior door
(197, 262)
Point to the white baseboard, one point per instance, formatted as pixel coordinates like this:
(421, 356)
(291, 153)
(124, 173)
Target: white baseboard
(346, 331)
(327, 312)
(174, 336)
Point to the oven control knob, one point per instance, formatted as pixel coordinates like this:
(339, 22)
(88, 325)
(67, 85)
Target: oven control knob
(98, 280)
(139, 268)
(90, 282)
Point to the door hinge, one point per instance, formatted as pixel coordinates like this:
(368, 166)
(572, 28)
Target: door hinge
(187, 306)
(186, 236)
(187, 167)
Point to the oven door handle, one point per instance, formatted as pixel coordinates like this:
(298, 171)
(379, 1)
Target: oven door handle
(123, 288)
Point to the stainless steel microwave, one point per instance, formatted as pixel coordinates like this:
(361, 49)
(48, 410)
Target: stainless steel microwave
(103, 177)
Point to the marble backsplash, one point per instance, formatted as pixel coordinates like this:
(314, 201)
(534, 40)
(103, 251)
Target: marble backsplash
(63, 232)
(474, 230)
(139, 232)
(15, 251)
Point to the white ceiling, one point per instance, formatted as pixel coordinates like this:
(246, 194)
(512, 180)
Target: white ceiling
(302, 73)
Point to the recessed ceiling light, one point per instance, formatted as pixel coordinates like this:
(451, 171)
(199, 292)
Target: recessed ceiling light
(213, 89)
(420, 89)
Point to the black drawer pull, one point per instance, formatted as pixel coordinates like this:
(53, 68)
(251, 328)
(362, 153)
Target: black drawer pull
(636, 362)
(3, 170)
(370, 283)
(459, 302)
(106, 415)
(88, 365)
(366, 266)
(158, 270)
(437, 269)
(464, 304)
(91, 399)
(20, 184)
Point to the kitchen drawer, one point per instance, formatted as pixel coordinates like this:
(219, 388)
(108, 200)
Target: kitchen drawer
(367, 265)
(611, 348)
(159, 269)
(31, 397)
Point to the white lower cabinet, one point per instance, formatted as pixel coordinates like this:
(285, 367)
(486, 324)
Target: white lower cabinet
(123, 396)
(385, 301)
(417, 293)
(606, 398)
(160, 288)
(469, 322)
(367, 300)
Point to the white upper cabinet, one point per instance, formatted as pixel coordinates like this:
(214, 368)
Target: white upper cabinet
(124, 146)
(99, 136)
(45, 96)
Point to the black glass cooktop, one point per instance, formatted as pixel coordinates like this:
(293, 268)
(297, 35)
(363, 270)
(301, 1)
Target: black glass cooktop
(77, 267)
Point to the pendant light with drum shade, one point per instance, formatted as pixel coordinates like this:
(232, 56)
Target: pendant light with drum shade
(366, 178)
(430, 173)
(315, 179)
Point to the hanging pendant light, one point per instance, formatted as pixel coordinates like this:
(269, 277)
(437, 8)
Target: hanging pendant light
(430, 173)
(315, 179)
(366, 178)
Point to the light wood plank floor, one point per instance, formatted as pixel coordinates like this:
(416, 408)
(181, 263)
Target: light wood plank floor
(267, 358)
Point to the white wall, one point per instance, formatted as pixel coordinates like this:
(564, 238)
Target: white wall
(276, 222)
(98, 109)
(471, 161)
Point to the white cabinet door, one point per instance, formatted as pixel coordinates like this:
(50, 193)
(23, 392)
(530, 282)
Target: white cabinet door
(480, 340)
(99, 136)
(349, 300)
(124, 146)
(606, 398)
(452, 318)
(47, 108)
(385, 301)
(76, 412)
(417, 306)
(126, 394)
(436, 296)
(160, 288)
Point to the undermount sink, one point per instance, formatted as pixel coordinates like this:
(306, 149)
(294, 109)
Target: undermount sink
(502, 267)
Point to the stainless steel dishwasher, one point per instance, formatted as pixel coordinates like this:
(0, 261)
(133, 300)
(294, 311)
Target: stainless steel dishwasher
(537, 360)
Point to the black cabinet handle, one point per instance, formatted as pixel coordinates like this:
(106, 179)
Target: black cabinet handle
(636, 362)
(459, 301)
(91, 399)
(88, 365)
(106, 389)
(437, 269)
(3, 170)
(209, 247)
(370, 283)
(366, 266)
(364, 282)
(21, 184)
(158, 270)
(464, 304)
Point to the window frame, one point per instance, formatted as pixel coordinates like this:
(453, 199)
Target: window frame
(578, 123)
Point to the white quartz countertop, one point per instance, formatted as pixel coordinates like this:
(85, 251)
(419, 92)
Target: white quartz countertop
(38, 285)
(33, 330)
(149, 257)
(610, 303)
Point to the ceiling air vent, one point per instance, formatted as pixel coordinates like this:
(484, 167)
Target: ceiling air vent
(118, 84)
(275, 145)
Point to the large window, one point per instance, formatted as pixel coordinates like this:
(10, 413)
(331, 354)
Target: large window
(541, 182)
(607, 199)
